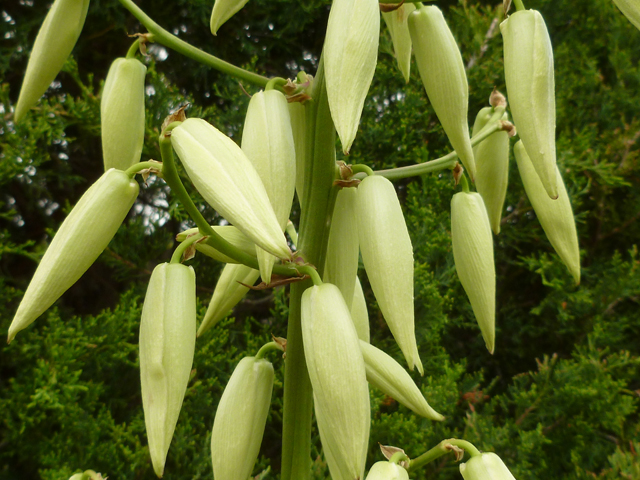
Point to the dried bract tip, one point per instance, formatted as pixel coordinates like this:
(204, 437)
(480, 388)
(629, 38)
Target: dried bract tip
(508, 127)
(497, 99)
(457, 172)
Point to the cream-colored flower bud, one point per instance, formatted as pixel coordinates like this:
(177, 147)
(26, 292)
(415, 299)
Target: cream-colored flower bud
(631, 10)
(267, 141)
(337, 374)
(556, 216)
(473, 256)
(240, 419)
(486, 466)
(223, 10)
(167, 344)
(228, 292)
(444, 78)
(341, 263)
(228, 232)
(359, 313)
(388, 259)
(298, 114)
(388, 376)
(79, 241)
(398, 24)
(350, 55)
(387, 471)
(122, 114)
(492, 167)
(528, 70)
(55, 41)
(228, 181)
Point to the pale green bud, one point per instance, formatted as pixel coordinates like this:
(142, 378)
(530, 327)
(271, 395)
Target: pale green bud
(359, 312)
(122, 114)
(486, 466)
(228, 292)
(223, 10)
(230, 233)
(350, 55)
(240, 419)
(298, 113)
(55, 41)
(388, 376)
(444, 78)
(337, 374)
(79, 241)
(167, 344)
(341, 263)
(492, 167)
(387, 471)
(388, 259)
(228, 181)
(631, 10)
(473, 256)
(556, 216)
(528, 70)
(398, 25)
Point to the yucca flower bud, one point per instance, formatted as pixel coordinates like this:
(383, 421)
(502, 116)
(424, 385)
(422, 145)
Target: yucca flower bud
(230, 233)
(388, 259)
(556, 216)
(55, 41)
(359, 313)
(223, 10)
(122, 114)
(486, 466)
(337, 374)
(473, 256)
(528, 70)
(228, 292)
(298, 113)
(341, 263)
(79, 241)
(388, 376)
(387, 471)
(631, 10)
(167, 344)
(350, 55)
(240, 419)
(228, 181)
(492, 167)
(267, 141)
(398, 25)
(444, 78)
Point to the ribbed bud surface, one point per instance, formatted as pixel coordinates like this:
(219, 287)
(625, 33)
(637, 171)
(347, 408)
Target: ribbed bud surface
(398, 25)
(486, 466)
(387, 471)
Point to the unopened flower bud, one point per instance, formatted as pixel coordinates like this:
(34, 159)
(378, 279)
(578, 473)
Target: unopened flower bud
(230, 233)
(486, 466)
(398, 25)
(387, 471)
(359, 313)
(298, 113)
(631, 10)
(167, 344)
(223, 10)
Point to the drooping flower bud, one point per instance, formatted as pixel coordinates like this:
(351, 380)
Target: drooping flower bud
(167, 344)
(486, 466)
(57, 37)
(398, 25)
(359, 313)
(228, 292)
(388, 259)
(528, 70)
(240, 419)
(228, 181)
(492, 167)
(337, 374)
(122, 114)
(230, 233)
(388, 376)
(79, 241)
(298, 113)
(473, 256)
(223, 10)
(267, 141)
(556, 216)
(387, 471)
(341, 264)
(350, 55)
(631, 10)
(444, 78)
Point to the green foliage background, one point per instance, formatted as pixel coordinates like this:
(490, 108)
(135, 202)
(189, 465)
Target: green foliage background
(559, 399)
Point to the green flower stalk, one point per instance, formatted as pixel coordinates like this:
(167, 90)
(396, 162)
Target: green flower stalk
(223, 10)
(79, 241)
(230, 233)
(122, 114)
(388, 259)
(387, 471)
(388, 376)
(473, 256)
(528, 69)
(350, 55)
(167, 344)
(631, 10)
(240, 419)
(337, 374)
(398, 24)
(359, 313)
(228, 181)
(444, 78)
(486, 466)
(55, 41)
(556, 216)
